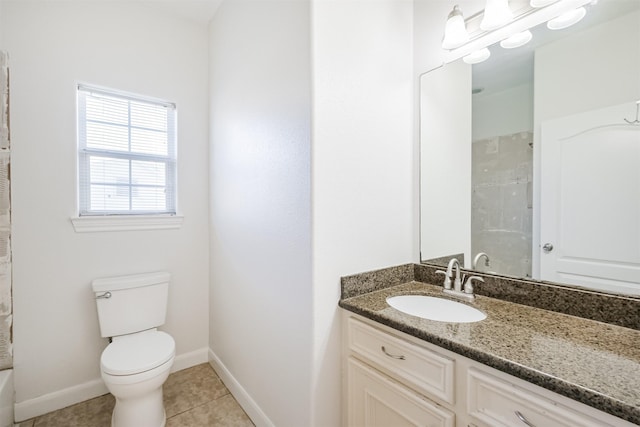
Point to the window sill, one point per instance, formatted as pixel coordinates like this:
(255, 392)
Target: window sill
(91, 224)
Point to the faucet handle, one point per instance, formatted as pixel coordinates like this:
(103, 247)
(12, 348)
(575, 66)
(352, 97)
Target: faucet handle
(468, 285)
(447, 279)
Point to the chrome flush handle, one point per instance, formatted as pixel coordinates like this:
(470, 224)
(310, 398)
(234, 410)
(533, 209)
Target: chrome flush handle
(106, 295)
(394, 356)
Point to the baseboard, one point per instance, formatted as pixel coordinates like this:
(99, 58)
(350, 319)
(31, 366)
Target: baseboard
(187, 360)
(59, 399)
(252, 409)
(70, 396)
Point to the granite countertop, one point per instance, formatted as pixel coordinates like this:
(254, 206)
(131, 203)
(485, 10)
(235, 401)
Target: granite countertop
(592, 362)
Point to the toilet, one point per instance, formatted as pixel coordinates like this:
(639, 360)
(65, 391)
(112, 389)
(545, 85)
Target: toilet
(139, 357)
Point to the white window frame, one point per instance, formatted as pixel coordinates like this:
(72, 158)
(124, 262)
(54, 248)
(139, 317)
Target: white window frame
(116, 220)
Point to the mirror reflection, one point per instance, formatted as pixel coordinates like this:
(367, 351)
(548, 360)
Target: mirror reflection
(532, 157)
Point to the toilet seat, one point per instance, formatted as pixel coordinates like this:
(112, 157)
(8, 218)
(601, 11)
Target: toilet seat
(137, 353)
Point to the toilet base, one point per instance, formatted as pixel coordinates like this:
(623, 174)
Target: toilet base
(144, 411)
(139, 400)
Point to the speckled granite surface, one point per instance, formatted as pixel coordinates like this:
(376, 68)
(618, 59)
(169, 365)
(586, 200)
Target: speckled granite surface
(615, 309)
(592, 362)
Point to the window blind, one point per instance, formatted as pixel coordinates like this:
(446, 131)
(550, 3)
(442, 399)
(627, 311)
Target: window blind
(126, 154)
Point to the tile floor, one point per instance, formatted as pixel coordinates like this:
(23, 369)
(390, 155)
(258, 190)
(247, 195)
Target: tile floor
(193, 397)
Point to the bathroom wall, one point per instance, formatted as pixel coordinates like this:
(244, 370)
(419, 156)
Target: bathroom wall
(445, 158)
(127, 46)
(503, 113)
(363, 176)
(261, 309)
(311, 178)
(566, 70)
(501, 207)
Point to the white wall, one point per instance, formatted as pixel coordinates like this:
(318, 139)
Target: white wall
(503, 113)
(363, 166)
(592, 69)
(445, 161)
(283, 193)
(124, 46)
(260, 204)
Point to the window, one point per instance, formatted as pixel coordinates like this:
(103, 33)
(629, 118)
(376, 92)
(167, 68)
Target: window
(126, 154)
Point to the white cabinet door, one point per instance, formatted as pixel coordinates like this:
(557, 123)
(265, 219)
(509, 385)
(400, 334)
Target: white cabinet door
(590, 203)
(375, 400)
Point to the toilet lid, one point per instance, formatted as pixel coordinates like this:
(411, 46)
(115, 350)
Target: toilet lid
(137, 353)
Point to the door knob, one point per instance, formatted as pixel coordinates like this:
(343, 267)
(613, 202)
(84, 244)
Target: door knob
(548, 247)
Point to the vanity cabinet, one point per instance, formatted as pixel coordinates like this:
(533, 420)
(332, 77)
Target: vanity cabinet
(392, 382)
(393, 379)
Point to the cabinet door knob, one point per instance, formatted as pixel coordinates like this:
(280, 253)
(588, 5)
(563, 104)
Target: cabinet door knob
(523, 419)
(384, 350)
(548, 247)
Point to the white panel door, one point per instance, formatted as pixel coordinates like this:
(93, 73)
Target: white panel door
(590, 203)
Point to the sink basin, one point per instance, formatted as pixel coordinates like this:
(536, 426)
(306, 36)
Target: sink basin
(434, 308)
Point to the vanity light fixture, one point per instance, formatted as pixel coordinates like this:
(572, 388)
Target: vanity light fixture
(517, 40)
(567, 19)
(477, 57)
(496, 14)
(554, 12)
(455, 31)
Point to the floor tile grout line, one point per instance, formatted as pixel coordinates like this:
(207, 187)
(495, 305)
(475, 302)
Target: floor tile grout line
(202, 404)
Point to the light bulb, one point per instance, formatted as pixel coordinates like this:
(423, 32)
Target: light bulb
(455, 31)
(477, 56)
(496, 14)
(567, 19)
(517, 40)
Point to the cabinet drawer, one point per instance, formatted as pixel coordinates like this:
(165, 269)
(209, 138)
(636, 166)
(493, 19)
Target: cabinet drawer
(497, 403)
(424, 370)
(377, 401)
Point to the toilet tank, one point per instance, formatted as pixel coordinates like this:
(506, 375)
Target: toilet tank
(128, 304)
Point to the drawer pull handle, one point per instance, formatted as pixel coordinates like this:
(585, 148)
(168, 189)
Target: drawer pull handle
(523, 419)
(384, 350)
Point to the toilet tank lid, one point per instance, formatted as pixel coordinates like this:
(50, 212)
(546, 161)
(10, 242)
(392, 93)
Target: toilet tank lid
(131, 281)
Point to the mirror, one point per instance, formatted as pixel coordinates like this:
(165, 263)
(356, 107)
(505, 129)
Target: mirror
(527, 157)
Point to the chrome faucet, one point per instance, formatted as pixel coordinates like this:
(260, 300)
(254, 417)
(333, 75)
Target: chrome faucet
(457, 283)
(448, 275)
(459, 290)
(477, 258)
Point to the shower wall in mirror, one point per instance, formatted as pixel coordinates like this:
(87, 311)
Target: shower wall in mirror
(494, 166)
(501, 202)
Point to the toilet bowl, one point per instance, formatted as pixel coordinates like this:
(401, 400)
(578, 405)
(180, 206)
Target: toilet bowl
(139, 357)
(134, 368)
